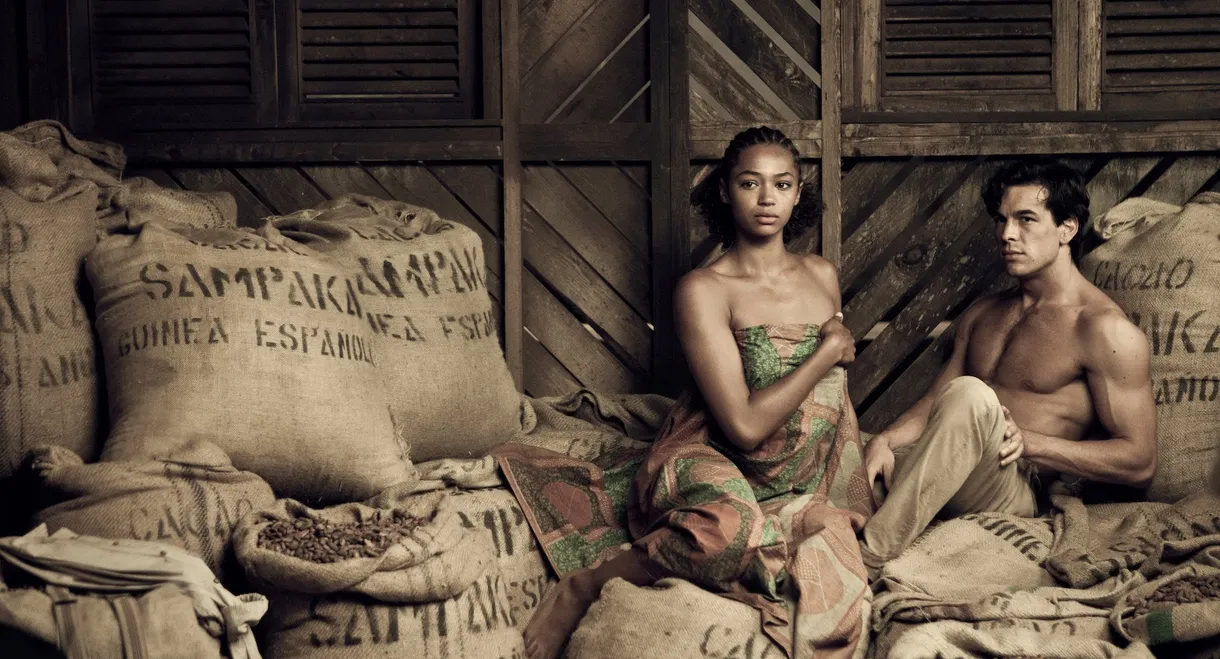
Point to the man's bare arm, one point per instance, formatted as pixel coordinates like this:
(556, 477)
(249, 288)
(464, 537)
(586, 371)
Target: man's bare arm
(908, 427)
(1117, 362)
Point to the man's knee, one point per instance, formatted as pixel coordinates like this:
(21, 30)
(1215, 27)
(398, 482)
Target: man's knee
(970, 403)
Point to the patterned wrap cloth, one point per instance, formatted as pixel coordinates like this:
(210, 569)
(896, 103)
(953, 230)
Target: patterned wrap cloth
(774, 528)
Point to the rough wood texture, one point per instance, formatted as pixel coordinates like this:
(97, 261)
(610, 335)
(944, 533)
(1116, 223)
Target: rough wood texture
(832, 111)
(514, 269)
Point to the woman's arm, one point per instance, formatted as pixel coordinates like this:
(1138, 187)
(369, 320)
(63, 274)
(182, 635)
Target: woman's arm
(704, 329)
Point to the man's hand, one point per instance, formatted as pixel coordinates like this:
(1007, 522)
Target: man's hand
(1014, 440)
(879, 459)
(836, 337)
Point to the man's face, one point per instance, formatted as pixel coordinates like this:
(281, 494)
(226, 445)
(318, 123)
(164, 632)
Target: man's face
(1029, 238)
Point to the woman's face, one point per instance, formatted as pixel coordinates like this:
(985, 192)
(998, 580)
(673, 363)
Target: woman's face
(762, 189)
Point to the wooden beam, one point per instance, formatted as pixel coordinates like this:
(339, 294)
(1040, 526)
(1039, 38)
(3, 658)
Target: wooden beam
(588, 142)
(510, 106)
(213, 148)
(868, 44)
(832, 157)
(1090, 58)
(670, 118)
(708, 141)
(974, 139)
(1065, 60)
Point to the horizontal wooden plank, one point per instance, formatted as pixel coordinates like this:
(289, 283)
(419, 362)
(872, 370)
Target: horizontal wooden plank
(175, 58)
(943, 47)
(618, 141)
(966, 30)
(1142, 8)
(1163, 43)
(1207, 78)
(380, 36)
(169, 24)
(366, 70)
(374, 5)
(169, 7)
(107, 75)
(338, 19)
(161, 150)
(110, 93)
(160, 42)
(998, 82)
(710, 140)
(974, 11)
(424, 88)
(971, 139)
(939, 104)
(1194, 24)
(967, 65)
(1116, 62)
(421, 53)
(1198, 102)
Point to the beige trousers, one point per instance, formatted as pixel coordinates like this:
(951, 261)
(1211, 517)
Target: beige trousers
(952, 469)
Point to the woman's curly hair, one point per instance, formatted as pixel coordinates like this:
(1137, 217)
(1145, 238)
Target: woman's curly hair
(719, 213)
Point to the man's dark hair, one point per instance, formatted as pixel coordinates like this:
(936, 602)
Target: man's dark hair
(1067, 197)
(719, 214)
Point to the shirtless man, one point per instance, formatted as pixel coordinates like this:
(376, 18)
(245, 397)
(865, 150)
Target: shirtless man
(1050, 378)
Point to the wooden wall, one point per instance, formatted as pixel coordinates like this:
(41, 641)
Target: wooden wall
(599, 115)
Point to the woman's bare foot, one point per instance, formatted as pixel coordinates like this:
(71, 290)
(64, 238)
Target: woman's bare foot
(561, 611)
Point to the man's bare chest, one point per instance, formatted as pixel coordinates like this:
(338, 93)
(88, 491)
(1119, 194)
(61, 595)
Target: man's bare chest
(1034, 354)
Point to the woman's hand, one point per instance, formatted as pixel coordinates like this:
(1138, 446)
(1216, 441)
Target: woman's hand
(837, 338)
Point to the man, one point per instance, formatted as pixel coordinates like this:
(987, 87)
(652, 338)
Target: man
(1050, 378)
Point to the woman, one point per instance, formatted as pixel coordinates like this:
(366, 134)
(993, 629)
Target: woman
(766, 422)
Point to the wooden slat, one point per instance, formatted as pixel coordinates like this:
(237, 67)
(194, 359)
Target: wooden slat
(709, 140)
(1183, 179)
(422, 53)
(567, 340)
(908, 203)
(590, 234)
(866, 186)
(991, 46)
(609, 88)
(338, 180)
(577, 56)
(285, 189)
(317, 19)
(111, 77)
(414, 184)
(923, 251)
(1117, 26)
(1156, 61)
(1067, 54)
(1160, 79)
(160, 24)
(832, 111)
(965, 65)
(1089, 77)
(772, 67)
(967, 82)
(969, 30)
(250, 209)
(1123, 8)
(581, 287)
(727, 86)
(869, 44)
(395, 88)
(513, 233)
(1163, 43)
(176, 58)
(382, 70)
(478, 187)
(154, 42)
(962, 11)
(1115, 180)
(880, 140)
(617, 197)
(794, 25)
(909, 387)
(961, 280)
(169, 7)
(545, 376)
(937, 102)
(543, 24)
(395, 35)
(374, 5)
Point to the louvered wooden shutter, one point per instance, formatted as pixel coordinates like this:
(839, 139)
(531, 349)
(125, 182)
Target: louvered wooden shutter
(1161, 55)
(384, 59)
(169, 63)
(956, 55)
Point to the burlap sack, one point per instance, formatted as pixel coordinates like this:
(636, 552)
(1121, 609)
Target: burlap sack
(1182, 614)
(254, 343)
(421, 282)
(673, 618)
(477, 624)
(57, 622)
(49, 392)
(192, 499)
(437, 560)
(138, 200)
(959, 640)
(1158, 262)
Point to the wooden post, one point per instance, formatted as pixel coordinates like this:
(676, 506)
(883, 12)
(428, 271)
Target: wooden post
(1091, 39)
(670, 121)
(832, 115)
(1065, 63)
(510, 105)
(868, 44)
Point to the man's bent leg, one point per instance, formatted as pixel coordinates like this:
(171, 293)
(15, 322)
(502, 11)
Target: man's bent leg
(954, 465)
